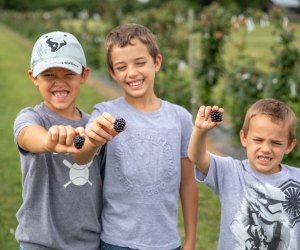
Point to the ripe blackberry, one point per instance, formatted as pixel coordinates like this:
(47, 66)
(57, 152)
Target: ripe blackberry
(216, 116)
(79, 141)
(119, 125)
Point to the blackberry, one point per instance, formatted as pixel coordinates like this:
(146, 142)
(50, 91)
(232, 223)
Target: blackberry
(216, 116)
(79, 141)
(119, 125)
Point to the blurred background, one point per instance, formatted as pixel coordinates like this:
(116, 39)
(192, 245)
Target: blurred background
(228, 53)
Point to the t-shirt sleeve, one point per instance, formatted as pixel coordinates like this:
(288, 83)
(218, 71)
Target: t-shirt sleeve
(26, 117)
(97, 111)
(221, 170)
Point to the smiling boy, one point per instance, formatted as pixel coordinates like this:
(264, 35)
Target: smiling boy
(61, 200)
(147, 166)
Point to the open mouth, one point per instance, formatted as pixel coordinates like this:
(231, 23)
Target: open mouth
(136, 84)
(264, 159)
(60, 94)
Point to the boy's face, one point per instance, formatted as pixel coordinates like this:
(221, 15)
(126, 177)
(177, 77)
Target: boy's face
(59, 88)
(134, 69)
(266, 144)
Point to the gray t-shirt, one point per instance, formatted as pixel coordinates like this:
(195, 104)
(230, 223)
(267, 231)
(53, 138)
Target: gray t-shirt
(258, 211)
(61, 200)
(142, 175)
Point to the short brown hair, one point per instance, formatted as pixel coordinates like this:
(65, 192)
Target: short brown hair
(278, 112)
(122, 35)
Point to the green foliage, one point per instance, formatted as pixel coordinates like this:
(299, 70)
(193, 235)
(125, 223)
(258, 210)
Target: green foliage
(245, 86)
(246, 83)
(283, 80)
(214, 27)
(37, 22)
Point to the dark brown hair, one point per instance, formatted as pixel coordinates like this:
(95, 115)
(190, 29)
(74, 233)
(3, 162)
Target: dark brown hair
(122, 36)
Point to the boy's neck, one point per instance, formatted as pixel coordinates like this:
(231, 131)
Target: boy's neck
(143, 104)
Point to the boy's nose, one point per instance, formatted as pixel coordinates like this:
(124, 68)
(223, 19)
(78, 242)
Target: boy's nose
(131, 71)
(265, 148)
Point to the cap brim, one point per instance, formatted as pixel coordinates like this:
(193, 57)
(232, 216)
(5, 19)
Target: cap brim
(65, 63)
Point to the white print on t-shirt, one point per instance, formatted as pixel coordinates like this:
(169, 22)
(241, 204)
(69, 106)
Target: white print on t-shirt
(79, 174)
(262, 222)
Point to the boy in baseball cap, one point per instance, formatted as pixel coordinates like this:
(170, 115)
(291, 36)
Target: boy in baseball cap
(61, 200)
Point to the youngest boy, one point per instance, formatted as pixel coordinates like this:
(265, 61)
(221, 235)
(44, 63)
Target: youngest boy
(260, 196)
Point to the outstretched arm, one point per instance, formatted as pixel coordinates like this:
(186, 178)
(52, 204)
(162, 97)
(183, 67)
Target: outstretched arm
(197, 150)
(58, 138)
(100, 131)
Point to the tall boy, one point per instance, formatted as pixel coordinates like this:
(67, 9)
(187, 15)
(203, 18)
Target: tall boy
(61, 200)
(147, 165)
(260, 196)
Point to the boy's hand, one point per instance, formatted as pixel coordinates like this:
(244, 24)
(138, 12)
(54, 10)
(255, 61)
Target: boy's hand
(101, 130)
(203, 119)
(60, 138)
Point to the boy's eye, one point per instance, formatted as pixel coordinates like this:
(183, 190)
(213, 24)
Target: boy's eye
(48, 75)
(141, 63)
(257, 140)
(121, 68)
(277, 143)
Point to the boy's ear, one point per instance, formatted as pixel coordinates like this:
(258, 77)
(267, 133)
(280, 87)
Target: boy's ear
(243, 138)
(291, 146)
(112, 73)
(33, 79)
(85, 74)
(158, 62)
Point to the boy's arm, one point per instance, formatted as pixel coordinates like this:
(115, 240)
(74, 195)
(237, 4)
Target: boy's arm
(197, 151)
(100, 131)
(189, 203)
(58, 138)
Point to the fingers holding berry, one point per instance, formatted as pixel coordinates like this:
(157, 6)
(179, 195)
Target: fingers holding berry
(209, 117)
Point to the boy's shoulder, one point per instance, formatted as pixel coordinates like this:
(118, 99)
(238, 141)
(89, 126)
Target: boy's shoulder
(292, 170)
(113, 102)
(176, 107)
(31, 110)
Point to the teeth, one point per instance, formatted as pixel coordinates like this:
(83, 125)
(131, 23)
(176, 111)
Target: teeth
(264, 158)
(60, 93)
(135, 83)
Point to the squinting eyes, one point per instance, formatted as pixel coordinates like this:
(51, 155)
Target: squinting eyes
(138, 64)
(52, 76)
(274, 143)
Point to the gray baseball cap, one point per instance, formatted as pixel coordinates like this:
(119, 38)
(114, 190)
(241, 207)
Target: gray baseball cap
(57, 49)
